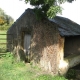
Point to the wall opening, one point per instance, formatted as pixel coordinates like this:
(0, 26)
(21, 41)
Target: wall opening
(71, 45)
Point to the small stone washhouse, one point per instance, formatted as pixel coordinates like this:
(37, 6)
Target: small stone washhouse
(45, 42)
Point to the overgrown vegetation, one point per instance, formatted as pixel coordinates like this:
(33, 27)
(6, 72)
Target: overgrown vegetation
(47, 8)
(71, 74)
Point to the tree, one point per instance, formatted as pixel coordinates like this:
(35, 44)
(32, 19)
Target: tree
(2, 21)
(47, 8)
(9, 19)
(5, 20)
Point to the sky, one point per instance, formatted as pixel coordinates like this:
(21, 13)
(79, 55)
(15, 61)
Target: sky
(15, 8)
(72, 11)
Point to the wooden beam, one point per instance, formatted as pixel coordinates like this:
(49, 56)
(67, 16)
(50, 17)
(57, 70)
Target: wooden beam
(2, 38)
(5, 43)
(73, 60)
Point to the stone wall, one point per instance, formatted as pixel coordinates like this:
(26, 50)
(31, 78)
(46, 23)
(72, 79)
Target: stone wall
(47, 46)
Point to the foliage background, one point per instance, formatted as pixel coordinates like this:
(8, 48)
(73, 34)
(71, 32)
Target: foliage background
(5, 20)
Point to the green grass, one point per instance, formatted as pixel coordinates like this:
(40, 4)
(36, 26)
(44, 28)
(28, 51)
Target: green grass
(49, 77)
(10, 69)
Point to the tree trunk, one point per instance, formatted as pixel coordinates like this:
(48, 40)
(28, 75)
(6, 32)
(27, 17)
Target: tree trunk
(69, 62)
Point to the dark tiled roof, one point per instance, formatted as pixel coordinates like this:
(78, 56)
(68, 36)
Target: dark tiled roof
(66, 26)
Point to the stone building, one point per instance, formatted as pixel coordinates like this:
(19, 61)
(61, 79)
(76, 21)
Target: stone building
(45, 42)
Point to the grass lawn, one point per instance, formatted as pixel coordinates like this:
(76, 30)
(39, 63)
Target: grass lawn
(10, 69)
